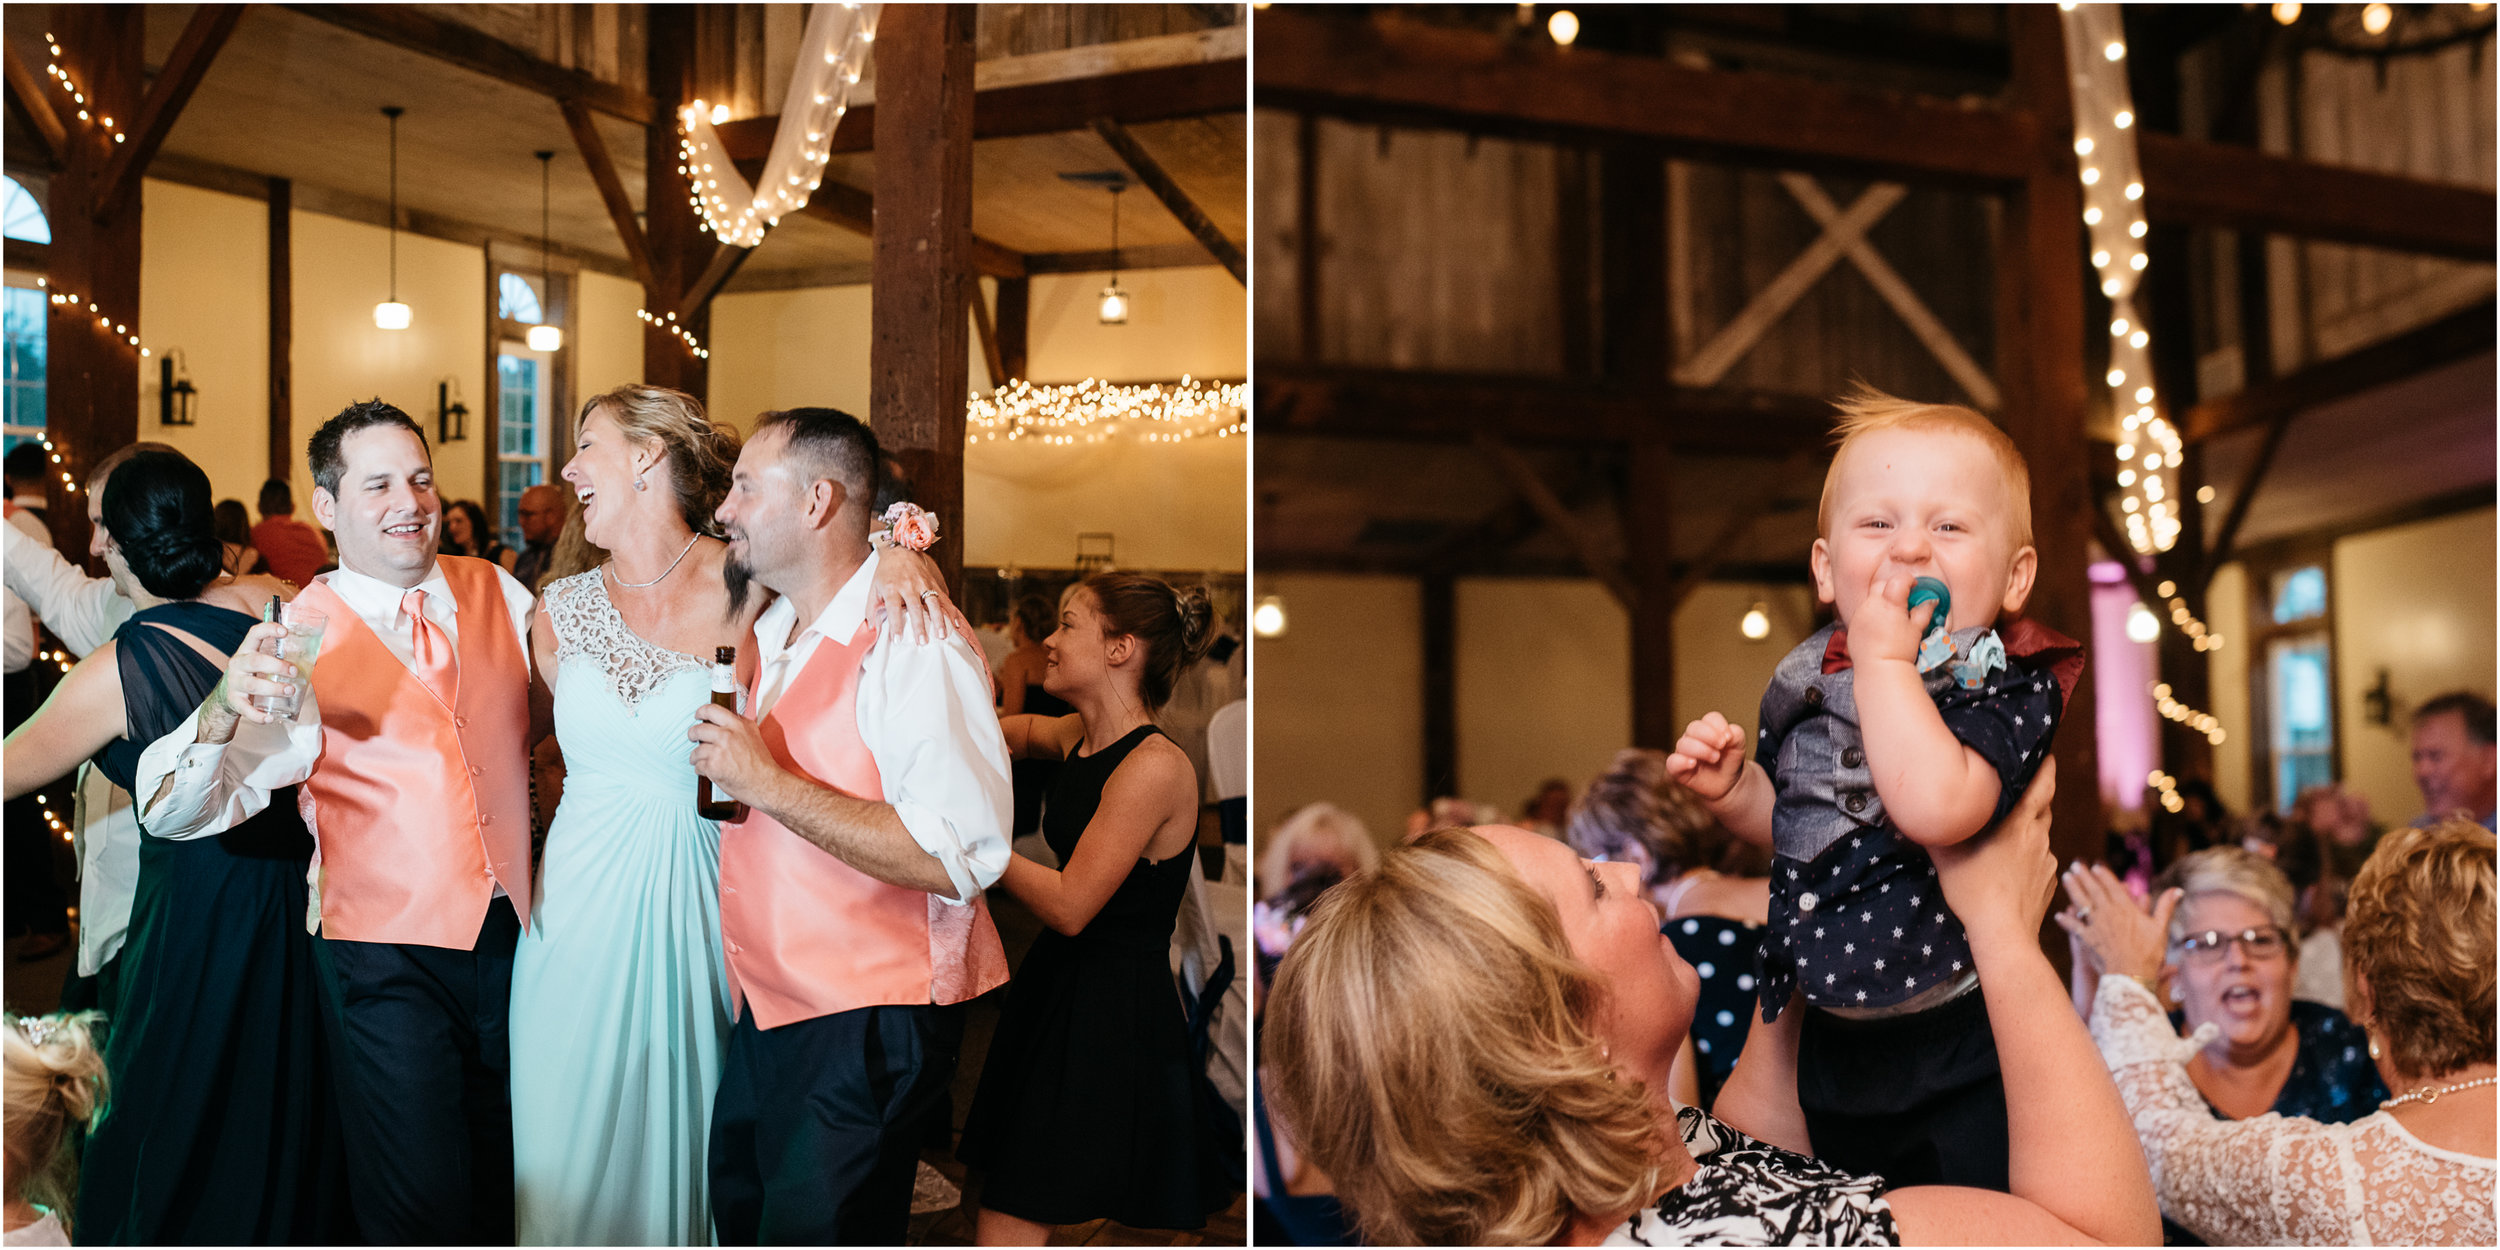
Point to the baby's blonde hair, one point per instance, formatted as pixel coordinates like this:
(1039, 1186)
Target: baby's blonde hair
(1865, 410)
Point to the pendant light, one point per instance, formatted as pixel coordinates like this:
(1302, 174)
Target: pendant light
(1114, 309)
(390, 314)
(544, 337)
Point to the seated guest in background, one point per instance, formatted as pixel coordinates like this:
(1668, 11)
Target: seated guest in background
(1474, 1040)
(2453, 758)
(55, 1079)
(293, 550)
(543, 509)
(1317, 846)
(234, 534)
(466, 533)
(1633, 813)
(2419, 1169)
(2227, 950)
(28, 464)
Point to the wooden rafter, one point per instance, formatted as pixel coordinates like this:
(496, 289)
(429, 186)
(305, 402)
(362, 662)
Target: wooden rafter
(1340, 402)
(981, 325)
(39, 110)
(2251, 478)
(1523, 478)
(1741, 521)
(1159, 180)
(2452, 338)
(720, 269)
(855, 210)
(1896, 292)
(412, 28)
(193, 52)
(2225, 187)
(611, 187)
(1130, 95)
(1781, 293)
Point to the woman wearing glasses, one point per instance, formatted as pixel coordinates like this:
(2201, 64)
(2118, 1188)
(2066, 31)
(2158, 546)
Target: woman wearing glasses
(2344, 1163)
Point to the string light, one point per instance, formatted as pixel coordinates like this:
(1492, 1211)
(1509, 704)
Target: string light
(103, 320)
(801, 147)
(1092, 411)
(685, 336)
(2173, 710)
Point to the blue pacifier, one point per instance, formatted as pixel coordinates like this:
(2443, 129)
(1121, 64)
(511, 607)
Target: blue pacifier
(1936, 646)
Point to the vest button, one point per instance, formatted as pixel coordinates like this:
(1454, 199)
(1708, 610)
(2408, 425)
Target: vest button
(1851, 757)
(1856, 803)
(488, 820)
(477, 770)
(460, 722)
(1814, 696)
(729, 889)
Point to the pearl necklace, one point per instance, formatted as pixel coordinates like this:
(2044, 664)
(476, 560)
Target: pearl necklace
(672, 567)
(2426, 1095)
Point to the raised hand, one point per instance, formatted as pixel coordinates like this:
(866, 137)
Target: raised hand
(2113, 931)
(254, 672)
(907, 583)
(1710, 757)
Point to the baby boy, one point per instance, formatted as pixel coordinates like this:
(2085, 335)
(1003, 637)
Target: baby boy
(1877, 743)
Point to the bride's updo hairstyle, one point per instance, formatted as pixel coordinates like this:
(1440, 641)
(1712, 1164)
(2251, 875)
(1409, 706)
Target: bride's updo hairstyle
(1429, 1046)
(698, 451)
(1174, 623)
(55, 1083)
(158, 510)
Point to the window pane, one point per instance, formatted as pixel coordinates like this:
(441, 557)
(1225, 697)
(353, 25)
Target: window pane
(2299, 594)
(22, 320)
(516, 299)
(517, 419)
(24, 217)
(2302, 724)
(516, 476)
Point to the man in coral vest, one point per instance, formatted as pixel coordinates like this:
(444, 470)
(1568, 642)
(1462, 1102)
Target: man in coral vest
(411, 749)
(876, 783)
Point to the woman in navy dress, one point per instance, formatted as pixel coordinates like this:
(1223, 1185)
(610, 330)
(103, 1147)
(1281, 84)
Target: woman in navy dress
(219, 1129)
(1089, 1103)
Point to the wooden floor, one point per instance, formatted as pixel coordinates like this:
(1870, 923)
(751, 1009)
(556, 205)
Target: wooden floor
(34, 987)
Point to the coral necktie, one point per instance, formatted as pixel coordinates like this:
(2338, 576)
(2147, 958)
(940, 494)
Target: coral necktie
(433, 659)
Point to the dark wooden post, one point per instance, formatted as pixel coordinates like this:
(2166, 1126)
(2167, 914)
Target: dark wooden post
(91, 379)
(919, 339)
(1015, 321)
(1632, 236)
(672, 231)
(2039, 298)
(1440, 622)
(281, 329)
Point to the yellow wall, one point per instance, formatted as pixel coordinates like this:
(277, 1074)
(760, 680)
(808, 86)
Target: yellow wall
(204, 289)
(1339, 711)
(1544, 686)
(2417, 601)
(1717, 668)
(605, 333)
(2226, 614)
(1168, 506)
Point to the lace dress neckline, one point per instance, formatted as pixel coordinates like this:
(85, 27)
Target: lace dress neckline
(587, 624)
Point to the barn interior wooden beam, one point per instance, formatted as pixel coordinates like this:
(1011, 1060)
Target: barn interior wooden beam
(2457, 336)
(1306, 400)
(1175, 200)
(726, 258)
(2223, 186)
(194, 51)
(855, 210)
(612, 191)
(413, 28)
(1275, 558)
(1523, 479)
(1209, 83)
(1391, 70)
(28, 95)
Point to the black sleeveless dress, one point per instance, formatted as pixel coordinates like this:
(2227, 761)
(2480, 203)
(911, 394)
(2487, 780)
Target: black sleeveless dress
(1088, 1104)
(219, 1127)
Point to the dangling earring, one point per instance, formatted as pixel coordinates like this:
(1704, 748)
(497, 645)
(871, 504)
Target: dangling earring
(2374, 1051)
(2177, 995)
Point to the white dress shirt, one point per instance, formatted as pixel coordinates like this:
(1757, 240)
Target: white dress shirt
(28, 522)
(217, 787)
(18, 625)
(82, 611)
(926, 718)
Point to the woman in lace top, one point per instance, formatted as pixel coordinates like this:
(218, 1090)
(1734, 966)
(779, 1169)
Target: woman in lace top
(1473, 1040)
(2418, 962)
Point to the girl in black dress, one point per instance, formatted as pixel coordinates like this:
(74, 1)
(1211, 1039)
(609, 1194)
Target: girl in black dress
(219, 1128)
(1088, 1106)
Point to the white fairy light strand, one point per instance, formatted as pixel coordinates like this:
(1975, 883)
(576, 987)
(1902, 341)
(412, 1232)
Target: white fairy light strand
(683, 335)
(76, 96)
(838, 40)
(2173, 710)
(1092, 411)
(2149, 445)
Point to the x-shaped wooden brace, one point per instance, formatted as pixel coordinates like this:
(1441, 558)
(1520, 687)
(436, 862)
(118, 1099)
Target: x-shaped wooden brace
(1844, 234)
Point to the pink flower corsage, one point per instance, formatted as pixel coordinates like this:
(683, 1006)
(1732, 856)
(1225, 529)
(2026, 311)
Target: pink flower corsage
(908, 525)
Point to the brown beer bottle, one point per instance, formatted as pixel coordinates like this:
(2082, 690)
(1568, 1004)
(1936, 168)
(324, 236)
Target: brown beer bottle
(724, 696)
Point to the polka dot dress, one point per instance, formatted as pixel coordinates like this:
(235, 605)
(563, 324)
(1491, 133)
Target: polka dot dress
(1725, 955)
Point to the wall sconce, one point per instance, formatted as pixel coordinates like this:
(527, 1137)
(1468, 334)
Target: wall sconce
(1268, 619)
(2378, 704)
(1757, 623)
(451, 417)
(174, 392)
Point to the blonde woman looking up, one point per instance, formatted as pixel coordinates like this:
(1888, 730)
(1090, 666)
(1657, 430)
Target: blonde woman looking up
(1474, 1042)
(2419, 1170)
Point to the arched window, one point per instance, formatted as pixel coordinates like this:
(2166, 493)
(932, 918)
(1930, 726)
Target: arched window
(516, 299)
(24, 217)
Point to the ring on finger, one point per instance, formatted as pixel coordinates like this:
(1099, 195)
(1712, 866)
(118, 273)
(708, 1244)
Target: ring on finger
(2083, 915)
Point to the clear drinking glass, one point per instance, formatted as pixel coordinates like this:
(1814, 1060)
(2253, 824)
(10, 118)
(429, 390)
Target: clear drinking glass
(298, 646)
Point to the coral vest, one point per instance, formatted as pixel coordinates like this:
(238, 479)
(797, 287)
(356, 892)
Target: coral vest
(808, 935)
(421, 798)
